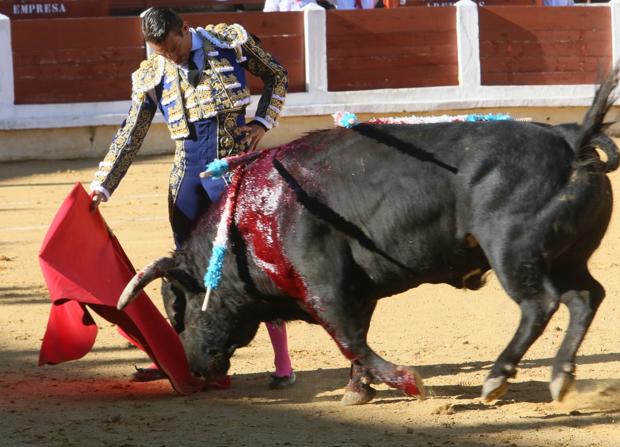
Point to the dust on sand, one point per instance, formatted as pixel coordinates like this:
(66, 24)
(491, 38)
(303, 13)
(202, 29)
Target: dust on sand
(451, 337)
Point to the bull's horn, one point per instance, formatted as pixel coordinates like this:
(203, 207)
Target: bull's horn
(154, 270)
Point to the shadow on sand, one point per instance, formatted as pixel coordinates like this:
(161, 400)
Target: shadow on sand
(95, 408)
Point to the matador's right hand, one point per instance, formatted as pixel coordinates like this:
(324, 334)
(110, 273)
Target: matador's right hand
(96, 198)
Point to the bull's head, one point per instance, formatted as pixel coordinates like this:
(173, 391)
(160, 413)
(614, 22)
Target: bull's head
(209, 337)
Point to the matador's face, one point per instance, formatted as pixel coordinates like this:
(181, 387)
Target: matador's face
(176, 47)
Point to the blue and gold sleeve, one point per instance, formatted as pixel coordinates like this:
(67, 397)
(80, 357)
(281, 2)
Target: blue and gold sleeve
(275, 77)
(125, 145)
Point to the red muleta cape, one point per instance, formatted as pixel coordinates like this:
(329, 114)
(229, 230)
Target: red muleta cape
(85, 267)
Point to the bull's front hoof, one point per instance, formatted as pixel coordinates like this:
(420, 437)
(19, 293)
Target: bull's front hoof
(420, 385)
(494, 388)
(409, 382)
(561, 385)
(360, 395)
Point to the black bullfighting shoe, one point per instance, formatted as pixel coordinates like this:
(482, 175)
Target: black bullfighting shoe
(278, 383)
(147, 375)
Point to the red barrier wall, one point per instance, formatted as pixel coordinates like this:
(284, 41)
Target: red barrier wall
(91, 59)
(391, 48)
(552, 46)
(122, 5)
(280, 33)
(75, 60)
(127, 4)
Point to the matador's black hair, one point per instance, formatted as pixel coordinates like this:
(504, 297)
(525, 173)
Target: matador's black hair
(157, 23)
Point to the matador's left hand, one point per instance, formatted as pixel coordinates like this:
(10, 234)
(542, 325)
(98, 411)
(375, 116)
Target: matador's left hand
(252, 134)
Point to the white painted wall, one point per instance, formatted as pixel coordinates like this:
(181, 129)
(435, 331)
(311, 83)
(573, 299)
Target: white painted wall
(303, 104)
(615, 30)
(468, 47)
(7, 91)
(315, 47)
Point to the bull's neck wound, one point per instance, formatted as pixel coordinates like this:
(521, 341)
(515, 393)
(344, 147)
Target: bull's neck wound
(261, 193)
(256, 215)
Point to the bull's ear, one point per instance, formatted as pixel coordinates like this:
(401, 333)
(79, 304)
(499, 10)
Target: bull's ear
(175, 304)
(188, 282)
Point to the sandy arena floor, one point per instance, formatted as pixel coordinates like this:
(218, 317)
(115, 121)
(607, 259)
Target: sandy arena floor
(451, 336)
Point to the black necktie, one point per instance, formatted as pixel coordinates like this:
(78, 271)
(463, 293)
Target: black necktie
(193, 74)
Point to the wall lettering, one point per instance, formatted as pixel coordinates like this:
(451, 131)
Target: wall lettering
(39, 8)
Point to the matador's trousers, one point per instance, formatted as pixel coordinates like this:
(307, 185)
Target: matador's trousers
(193, 195)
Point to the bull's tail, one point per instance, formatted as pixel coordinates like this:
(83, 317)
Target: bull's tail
(591, 132)
(607, 145)
(578, 214)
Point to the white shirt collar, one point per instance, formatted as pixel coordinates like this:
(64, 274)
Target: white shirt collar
(197, 55)
(196, 40)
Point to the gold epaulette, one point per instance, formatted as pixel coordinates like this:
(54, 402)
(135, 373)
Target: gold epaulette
(225, 36)
(148, 76)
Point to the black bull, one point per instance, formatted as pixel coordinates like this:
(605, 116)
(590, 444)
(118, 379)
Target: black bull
(328, 224)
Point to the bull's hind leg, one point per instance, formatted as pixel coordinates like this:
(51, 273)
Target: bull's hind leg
(535, 314)
(523, 276)
(582, 294)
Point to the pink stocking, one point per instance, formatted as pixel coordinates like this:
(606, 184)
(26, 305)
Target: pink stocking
(279, 341)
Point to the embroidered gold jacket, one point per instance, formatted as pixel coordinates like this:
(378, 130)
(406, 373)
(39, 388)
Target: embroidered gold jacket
(221, 93)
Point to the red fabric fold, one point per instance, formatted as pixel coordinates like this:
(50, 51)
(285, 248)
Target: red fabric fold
(85, 267)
